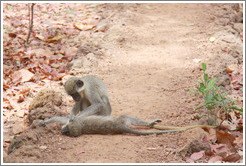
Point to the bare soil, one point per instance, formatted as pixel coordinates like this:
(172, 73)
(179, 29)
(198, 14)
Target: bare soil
(149, 57)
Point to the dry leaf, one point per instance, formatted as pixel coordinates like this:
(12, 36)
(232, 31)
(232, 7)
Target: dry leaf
(19, 127)
(14, 104)
(225, 138)
(197, 155)
(56, 38)
(40, 37)
(220, 149)
(212, 135)
(25, 91)
(7, 105)
(22, 75)
(188, 160)
(13, 35)
(20, 113)
(239, 141)
(20, 99)
(232, 158)
(83, 27)
(215, 159)
(228, 125)
(231, 68)
(81, 151)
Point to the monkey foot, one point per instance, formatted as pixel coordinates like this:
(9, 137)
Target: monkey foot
(154, 122)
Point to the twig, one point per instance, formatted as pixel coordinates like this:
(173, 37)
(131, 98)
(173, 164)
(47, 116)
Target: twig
(31, 24)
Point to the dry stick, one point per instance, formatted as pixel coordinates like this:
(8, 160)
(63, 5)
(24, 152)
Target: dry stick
(31, 24)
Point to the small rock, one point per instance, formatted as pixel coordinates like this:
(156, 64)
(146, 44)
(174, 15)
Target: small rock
(212, 39)
(20, 113)
(196, 60)
(43, 147)
(30, 146)
(19, 127)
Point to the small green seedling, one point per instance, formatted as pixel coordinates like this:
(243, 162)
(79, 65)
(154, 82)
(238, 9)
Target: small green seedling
(216, 102)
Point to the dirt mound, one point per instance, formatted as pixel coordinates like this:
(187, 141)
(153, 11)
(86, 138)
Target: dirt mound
(45, 105)
(46, 96)
(27, 144)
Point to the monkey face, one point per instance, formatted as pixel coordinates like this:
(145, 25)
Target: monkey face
(71, 129)
(74, 87)
(65, 130)
(76, 96)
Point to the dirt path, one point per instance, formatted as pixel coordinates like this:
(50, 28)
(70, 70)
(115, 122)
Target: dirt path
(148, 67)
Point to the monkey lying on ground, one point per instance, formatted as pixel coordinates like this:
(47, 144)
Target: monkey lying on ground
(90, 96)
(102, 125)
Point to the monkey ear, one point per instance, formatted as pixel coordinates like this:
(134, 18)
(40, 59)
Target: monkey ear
(79, 83)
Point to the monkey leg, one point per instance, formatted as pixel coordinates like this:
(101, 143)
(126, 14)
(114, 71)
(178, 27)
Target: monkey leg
(138, 122)
(162, 127)
(59, 119)
(107, 106)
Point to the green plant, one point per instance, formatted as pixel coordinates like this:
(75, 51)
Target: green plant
(216, 102)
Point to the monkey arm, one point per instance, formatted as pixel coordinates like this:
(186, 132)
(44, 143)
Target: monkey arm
(75, 110)
(162, 127)
(59, 119)
(93, 109)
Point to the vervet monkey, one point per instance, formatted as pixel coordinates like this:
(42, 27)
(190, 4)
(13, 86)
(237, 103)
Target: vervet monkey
(95, 124)
(90, 96)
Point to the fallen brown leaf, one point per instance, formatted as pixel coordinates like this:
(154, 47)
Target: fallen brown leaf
(215, 159)
(83, 27)
(225, 138)
(81, 151)
(56, 38)
(239, 142)
(197, 155)
(221, 149)
(20, 99)
(13, 35)
(19, 127)
(212, 135)
(22, 75)
(188, 160)
(232, 158)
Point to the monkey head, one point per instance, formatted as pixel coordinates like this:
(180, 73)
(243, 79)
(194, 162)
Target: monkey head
(74, 87)
(71, 129)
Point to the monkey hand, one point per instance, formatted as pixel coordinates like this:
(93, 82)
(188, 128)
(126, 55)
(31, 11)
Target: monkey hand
(41, 123)
(153, 122)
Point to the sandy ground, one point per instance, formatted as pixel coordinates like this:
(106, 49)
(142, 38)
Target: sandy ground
(151, 57)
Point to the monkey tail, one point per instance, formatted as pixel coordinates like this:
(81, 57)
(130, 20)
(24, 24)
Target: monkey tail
(131, 131)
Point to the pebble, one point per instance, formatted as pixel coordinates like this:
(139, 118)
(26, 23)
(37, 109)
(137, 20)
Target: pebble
(43, 147)
(19, 127)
